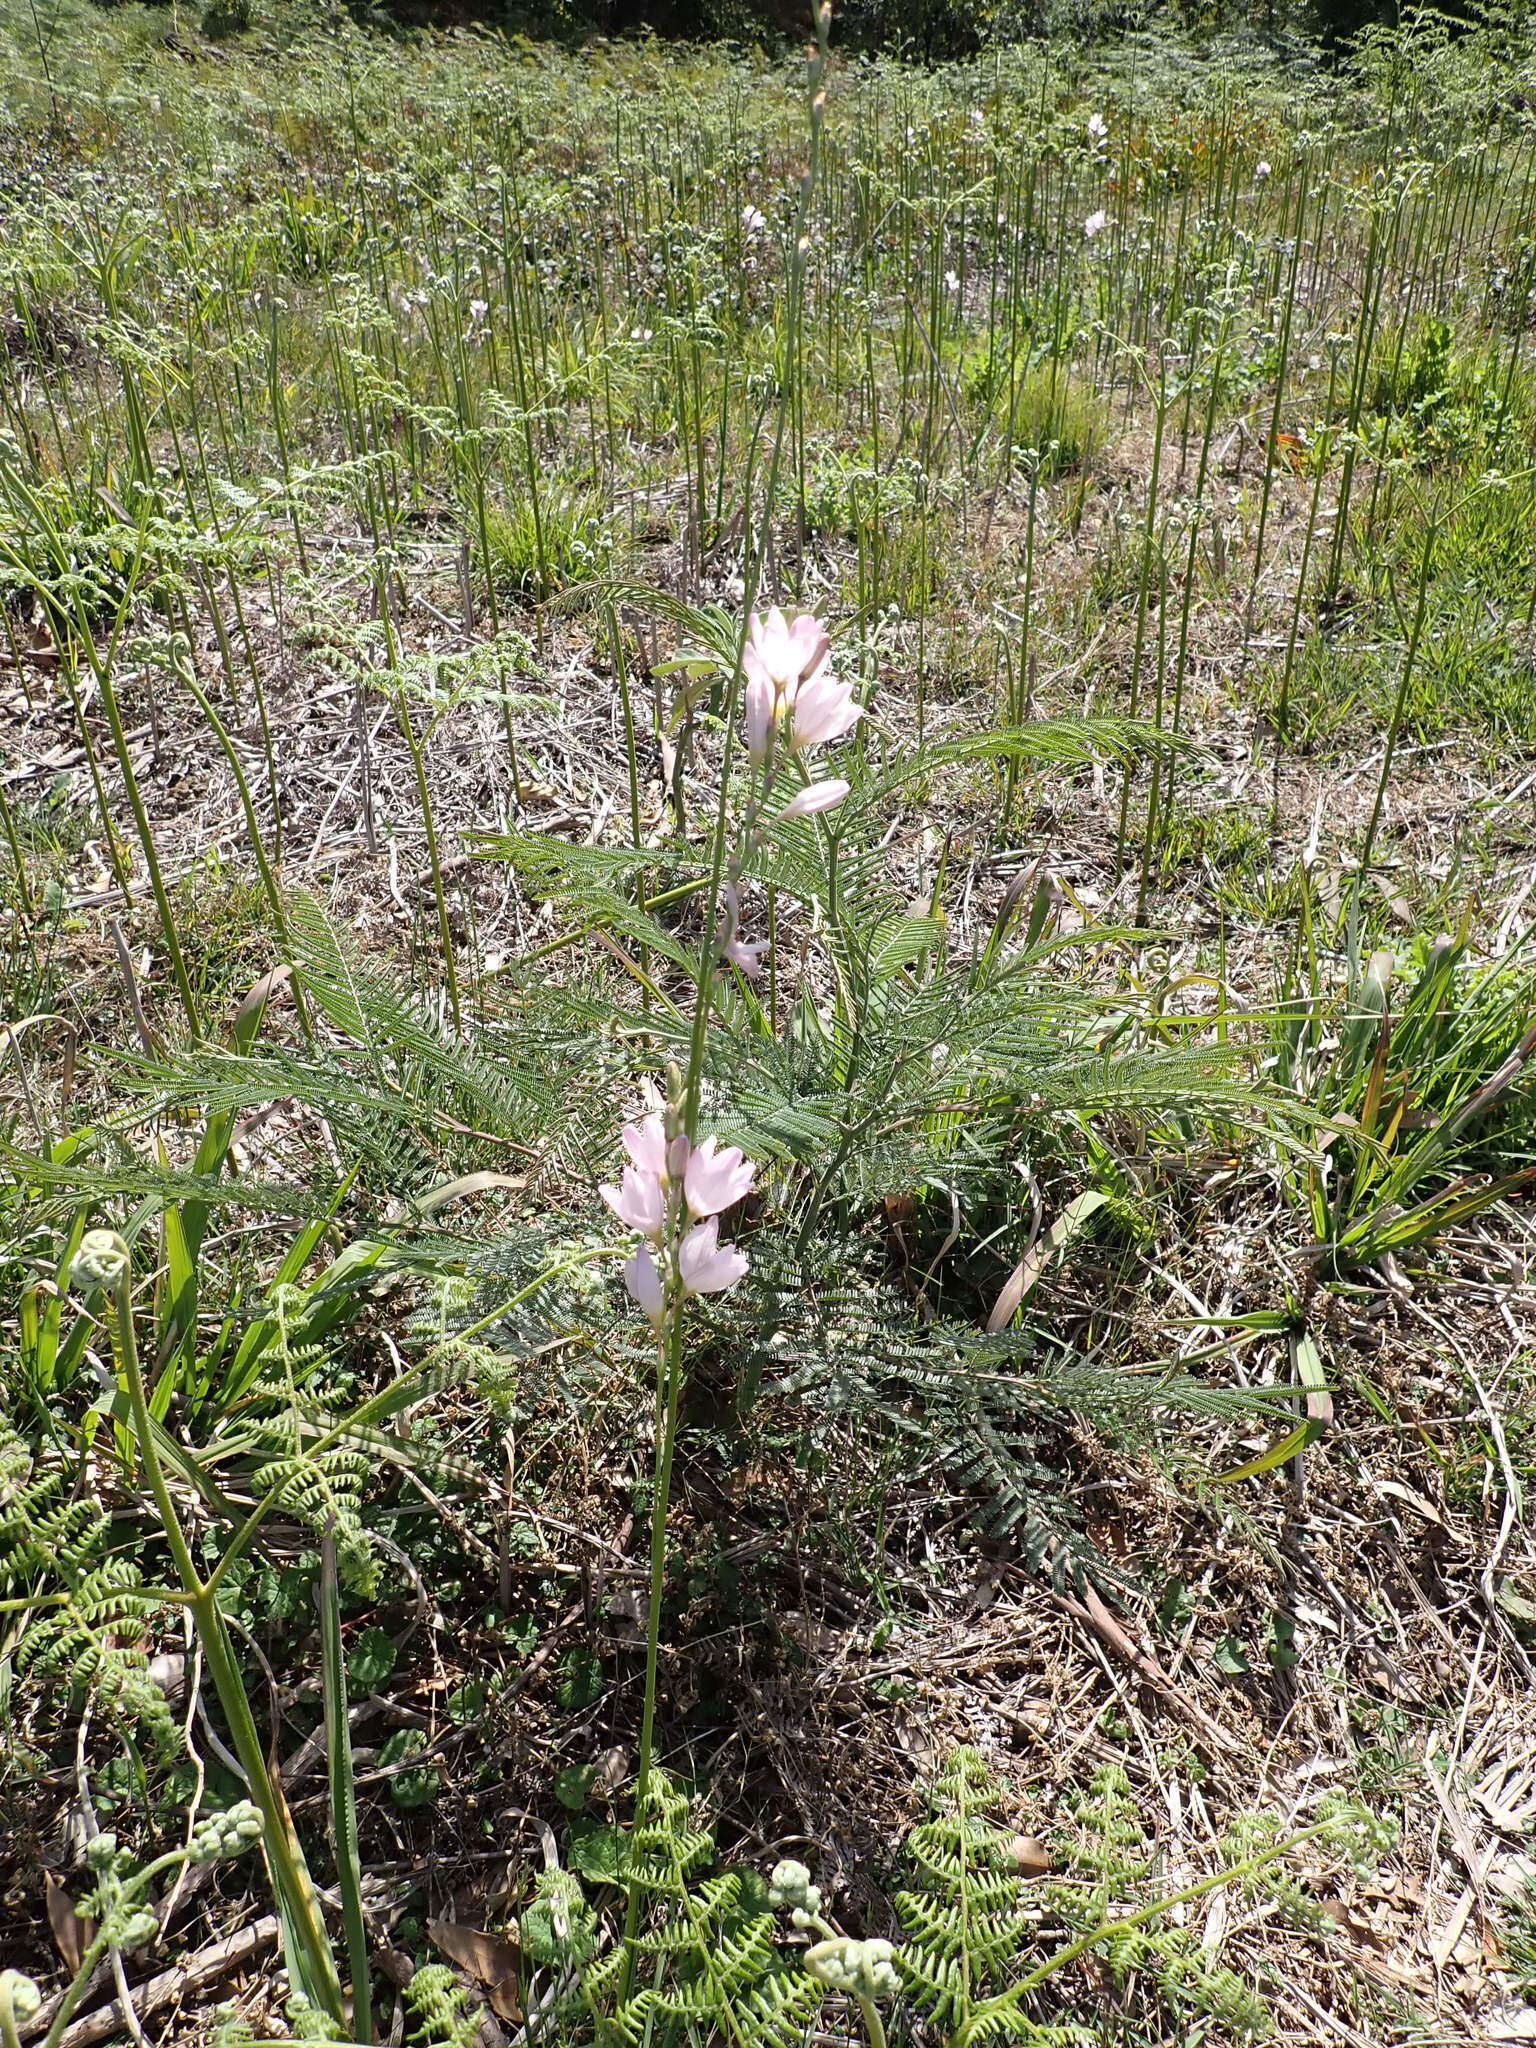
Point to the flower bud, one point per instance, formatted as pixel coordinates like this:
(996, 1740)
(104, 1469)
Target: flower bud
(24, 1996)
(103, 1261)
(790, 1885)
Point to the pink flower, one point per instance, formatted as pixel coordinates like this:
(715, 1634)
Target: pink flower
(815, 797)
(747, 954)
(716, 1179)
(646, 1144)
(706, 1266)
(644, 1284)
(784, 650)
(760, 703)
(743, 953)
(1096, 223)
(780, 658)
(639, 1202)
(823, 710)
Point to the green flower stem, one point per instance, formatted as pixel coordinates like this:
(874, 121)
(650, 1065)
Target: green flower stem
(291, 1882)
(669, 1383)
(670, 1357)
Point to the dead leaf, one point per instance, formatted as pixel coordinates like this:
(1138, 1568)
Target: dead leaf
(1035, 1261)
(467, 1186)
(491, 1959)
(1425, 1509)
(612, 1771)
(1031, 1855)
(71, 1934)
(1352, 1923)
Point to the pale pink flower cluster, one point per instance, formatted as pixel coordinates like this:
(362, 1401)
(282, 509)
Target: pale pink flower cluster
(791, 688)
(793, 698)
(670, 1185)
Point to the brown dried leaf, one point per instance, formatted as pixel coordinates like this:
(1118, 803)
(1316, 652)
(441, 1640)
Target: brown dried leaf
(1031, 1855)
(491, 1959)
(72, 1935)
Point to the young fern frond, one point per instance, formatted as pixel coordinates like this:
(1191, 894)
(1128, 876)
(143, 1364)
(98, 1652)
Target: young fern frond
(324, 1491)
(704, 1961)
(77, 1602)
(962, 1915)
(1110, 1857)
(441, 2010)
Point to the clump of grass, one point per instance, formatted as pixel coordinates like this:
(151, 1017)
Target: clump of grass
(537, 547)
(1047, 416)
(1437, 400)
(1229, 842)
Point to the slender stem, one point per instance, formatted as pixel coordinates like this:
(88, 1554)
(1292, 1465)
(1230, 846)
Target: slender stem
(343, 1792)
(669, 1382)
(285, 1859)
(74, 1991)
(873, 2022)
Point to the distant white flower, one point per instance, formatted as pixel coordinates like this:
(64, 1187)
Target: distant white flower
(1096, 223)
(951, 281)
(1261, 168)
(1098, 129)
(752, 220)
(978, 117)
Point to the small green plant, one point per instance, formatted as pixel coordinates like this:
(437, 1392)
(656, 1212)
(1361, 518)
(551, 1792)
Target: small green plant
(1433, 400)
(1042, 412)
(539, 547)
(442, 2012)
(1428, 1093)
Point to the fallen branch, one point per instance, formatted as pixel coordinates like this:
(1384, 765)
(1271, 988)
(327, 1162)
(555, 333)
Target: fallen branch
(197, 1972)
